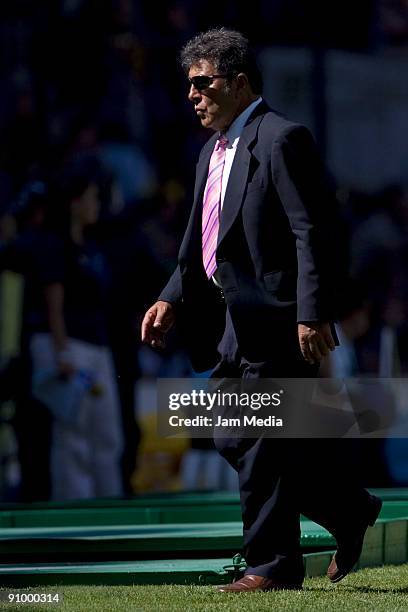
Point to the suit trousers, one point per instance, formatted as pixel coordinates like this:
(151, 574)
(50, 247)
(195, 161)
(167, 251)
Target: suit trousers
(281, 478)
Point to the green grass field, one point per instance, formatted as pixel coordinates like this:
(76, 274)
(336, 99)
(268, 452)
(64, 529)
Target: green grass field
(375, 590)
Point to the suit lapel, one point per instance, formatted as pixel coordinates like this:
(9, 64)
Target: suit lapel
(239, 172)
(235, 189)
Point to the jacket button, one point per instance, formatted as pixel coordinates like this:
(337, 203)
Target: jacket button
(221, 259)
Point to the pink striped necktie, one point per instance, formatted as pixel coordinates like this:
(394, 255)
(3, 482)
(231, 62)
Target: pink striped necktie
(211, 206)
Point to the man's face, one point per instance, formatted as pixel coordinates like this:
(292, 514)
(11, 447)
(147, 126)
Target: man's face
(216, 105)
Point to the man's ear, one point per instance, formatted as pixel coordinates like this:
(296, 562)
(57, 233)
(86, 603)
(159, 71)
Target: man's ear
(242, 81)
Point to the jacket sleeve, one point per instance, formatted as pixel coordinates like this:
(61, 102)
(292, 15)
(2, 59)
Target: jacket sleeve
(310, 206)
(172, 292)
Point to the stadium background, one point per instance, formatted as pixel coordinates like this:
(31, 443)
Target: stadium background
(96, 86)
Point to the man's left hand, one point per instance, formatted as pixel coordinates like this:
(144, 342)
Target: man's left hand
(315, 341)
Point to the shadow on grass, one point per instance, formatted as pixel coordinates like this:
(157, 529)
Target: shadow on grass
(373, 589)
(357, 589)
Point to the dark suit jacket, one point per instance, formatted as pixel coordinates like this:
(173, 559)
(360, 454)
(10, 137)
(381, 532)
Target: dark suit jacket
(276, 245)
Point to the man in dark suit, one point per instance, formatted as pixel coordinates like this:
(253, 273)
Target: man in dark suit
(254, 296)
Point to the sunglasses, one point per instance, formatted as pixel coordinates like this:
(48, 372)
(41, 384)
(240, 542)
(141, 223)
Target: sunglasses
(202, 81)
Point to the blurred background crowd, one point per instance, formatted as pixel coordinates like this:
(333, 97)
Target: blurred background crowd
(97, 158)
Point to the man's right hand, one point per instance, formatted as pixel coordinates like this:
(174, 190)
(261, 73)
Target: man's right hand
(158, 320)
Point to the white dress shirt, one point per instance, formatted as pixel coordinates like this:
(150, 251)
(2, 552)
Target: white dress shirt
(233, 134)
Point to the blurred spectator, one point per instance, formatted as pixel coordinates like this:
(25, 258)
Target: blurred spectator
(160, 459)
(23, 254)
(379, 256)
(134, 173)
(377, 243)
(71, 345)
(354, 322)
(165, 221)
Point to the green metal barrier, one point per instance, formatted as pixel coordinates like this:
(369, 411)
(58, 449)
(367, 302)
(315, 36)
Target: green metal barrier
(44, 544)
(161, 500)
(168, 511)
(386, 542)
(182, 538)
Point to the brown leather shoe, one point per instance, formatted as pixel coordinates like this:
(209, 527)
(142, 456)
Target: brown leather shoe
(350, 546)
(251, 583)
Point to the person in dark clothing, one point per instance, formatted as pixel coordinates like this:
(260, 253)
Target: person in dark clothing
(71, 337)
(25, 255)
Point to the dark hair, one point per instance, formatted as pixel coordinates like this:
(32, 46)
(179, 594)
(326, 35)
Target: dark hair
(229, 51)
